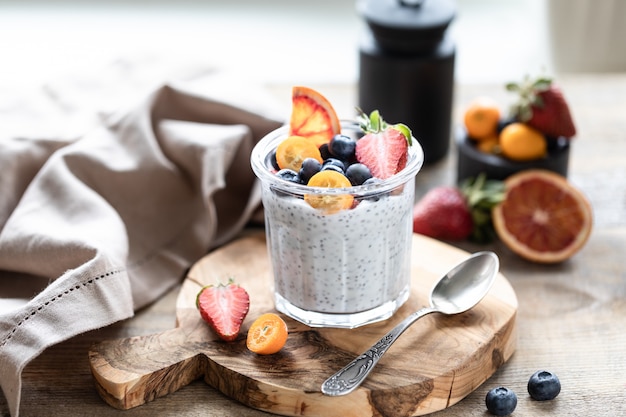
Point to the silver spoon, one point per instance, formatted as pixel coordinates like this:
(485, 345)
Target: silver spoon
(456, 292)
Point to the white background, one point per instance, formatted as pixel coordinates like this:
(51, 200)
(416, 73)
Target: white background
(278, 41)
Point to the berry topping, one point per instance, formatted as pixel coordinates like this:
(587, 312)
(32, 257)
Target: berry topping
(224, 307)
(358, 173)
(325, 152)
(331, 167)
(371, 184)
(316, 146)
(289, 175)
(384, 148)
(334, 162)
(310, 167)
(342, 147)
(273, 161)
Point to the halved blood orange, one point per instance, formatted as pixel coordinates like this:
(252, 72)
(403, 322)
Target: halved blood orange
(292, 151)
(312, 116)
(543, 217)
(329, 203)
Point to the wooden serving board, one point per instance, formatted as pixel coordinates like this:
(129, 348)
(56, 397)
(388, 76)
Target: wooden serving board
(434, 364)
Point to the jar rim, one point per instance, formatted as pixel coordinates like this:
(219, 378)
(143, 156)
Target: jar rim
(262, 150)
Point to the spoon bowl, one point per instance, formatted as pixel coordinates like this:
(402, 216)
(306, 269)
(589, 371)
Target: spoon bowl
(465, 284)
(456, 292)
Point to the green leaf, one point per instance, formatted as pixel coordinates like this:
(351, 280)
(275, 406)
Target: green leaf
(512, 87)
(542, 83)
(404, 129)
(482, 195)
(375, 121)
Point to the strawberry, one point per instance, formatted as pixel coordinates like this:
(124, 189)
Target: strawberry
(459, 213)
(542, 105)
(444, 214)
(224, 307)
(384, 148)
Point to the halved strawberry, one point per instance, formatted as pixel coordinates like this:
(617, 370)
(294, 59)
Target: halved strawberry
(541, 104)
(224, 307)
(384, 148)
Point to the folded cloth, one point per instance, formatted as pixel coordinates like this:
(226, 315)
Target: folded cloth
(95, 227)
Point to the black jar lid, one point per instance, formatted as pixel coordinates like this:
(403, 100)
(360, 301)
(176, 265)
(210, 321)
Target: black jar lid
(407, 26)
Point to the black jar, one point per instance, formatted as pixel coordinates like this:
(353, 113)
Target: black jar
(406, 67)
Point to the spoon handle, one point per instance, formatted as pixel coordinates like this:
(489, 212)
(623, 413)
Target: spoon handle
(350, 377)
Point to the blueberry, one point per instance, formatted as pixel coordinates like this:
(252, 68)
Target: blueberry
(501, 401)
(289, 175)
(543, 386)
(331, 167)
(324, 151)
(358, 173)
(372, 182)
(334, 162)
(310, 167)
(273, 160)
(342, 147)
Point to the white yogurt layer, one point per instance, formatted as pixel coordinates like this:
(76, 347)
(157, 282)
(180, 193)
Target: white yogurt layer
(348, 262)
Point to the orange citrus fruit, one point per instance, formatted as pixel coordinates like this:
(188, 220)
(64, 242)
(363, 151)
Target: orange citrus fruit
(312, 116)
(292, 151)
(520, 142)
(267, 334)
(490, 144)
(543, 217)
(481, 118)
(329, 204)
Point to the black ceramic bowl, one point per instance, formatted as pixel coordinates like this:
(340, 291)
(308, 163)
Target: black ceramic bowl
(471, 161)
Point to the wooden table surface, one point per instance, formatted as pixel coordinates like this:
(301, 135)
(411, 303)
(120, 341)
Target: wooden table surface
(571, 317)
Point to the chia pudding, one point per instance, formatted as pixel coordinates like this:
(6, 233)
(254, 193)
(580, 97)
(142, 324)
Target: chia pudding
(344, 269)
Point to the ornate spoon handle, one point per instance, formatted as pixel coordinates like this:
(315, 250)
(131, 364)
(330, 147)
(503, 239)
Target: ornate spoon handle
(350, 377)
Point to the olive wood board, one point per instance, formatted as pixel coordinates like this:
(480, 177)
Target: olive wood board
(433, 365)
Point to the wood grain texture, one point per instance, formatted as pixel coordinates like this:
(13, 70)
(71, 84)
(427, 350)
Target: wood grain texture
(435, 364)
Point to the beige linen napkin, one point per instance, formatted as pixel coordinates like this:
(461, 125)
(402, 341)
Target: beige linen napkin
(93, 228)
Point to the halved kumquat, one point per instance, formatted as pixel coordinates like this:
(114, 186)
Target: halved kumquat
(267, 334)
(292, 151)
(329, 203)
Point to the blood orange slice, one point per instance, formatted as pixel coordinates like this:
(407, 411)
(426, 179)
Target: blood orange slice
(312, 116)
(543, 217)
